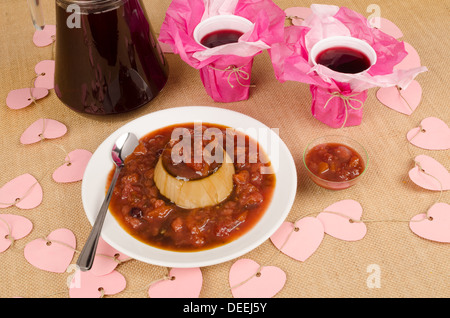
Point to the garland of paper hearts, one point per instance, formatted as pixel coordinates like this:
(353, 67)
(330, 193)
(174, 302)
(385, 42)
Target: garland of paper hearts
(42, 82)
(299, 240)
(24, 191)
(405, 100)
(302, 238)
(428, 173)
(54, 252)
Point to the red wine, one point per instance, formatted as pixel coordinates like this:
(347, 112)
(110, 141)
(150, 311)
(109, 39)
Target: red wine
(344, 60)
(220, 37)
(111, 63)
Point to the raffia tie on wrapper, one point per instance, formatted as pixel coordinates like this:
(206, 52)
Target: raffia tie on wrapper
(337, 109)
(238, 72)
(347, 103)
(227, 84)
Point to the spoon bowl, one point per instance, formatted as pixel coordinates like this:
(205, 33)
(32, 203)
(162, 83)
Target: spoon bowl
(122, 148)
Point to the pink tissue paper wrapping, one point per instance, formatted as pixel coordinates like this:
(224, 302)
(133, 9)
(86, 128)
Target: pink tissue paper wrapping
(225, 70)
(337, 98)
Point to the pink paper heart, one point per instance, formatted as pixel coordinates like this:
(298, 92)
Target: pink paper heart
(182, 283)
(245, 282)
(24, 192)
(404, 101)
(299, 240)
(12, 228)
(433, 134)
(46, 71)
(386, 26)
(73, 169)
(436, 227)
(43, 129)
(106, 259)
(44, 37)
(21, 98)
(434, 176)
(87, 285)
(339, 224)
(53, 254)
(297, 14)
(412, 60)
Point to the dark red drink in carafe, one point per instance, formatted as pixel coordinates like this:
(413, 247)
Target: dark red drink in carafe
(110, 63)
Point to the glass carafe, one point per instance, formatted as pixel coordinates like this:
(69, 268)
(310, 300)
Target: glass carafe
(107, 60)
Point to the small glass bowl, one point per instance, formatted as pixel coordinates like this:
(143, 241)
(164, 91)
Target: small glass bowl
(351, 143)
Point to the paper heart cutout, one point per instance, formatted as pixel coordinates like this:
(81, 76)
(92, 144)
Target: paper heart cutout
(266, 284)
(21, 98)
(386, 26)
(395, 99)
(182, 283)
(434, 228)
(46, 71)
(433, 134)
(12, 228)
(106, 259)
(339, 224)
(434, 176)
(53, 254)
(43, 129)
(45, 36)
(299, 240)
(412, 60)
(87, 285)
(298, 14)
(73, 169)
(24, 192)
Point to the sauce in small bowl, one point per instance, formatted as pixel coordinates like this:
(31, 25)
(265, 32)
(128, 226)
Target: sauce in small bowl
(335, 162)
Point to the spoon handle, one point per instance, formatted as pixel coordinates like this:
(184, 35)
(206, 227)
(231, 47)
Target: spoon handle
(86, 258)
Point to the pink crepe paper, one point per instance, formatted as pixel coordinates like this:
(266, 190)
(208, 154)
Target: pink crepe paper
(337, 97)
(225, 71)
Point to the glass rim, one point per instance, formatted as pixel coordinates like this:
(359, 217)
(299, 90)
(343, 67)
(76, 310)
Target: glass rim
(366, 155)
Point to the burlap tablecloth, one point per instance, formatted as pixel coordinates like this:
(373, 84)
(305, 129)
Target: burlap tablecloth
(410, 266)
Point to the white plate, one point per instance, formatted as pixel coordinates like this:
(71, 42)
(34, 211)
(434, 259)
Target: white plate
(98, 168)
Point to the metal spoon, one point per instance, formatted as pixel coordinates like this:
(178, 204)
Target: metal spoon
(122, 148)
